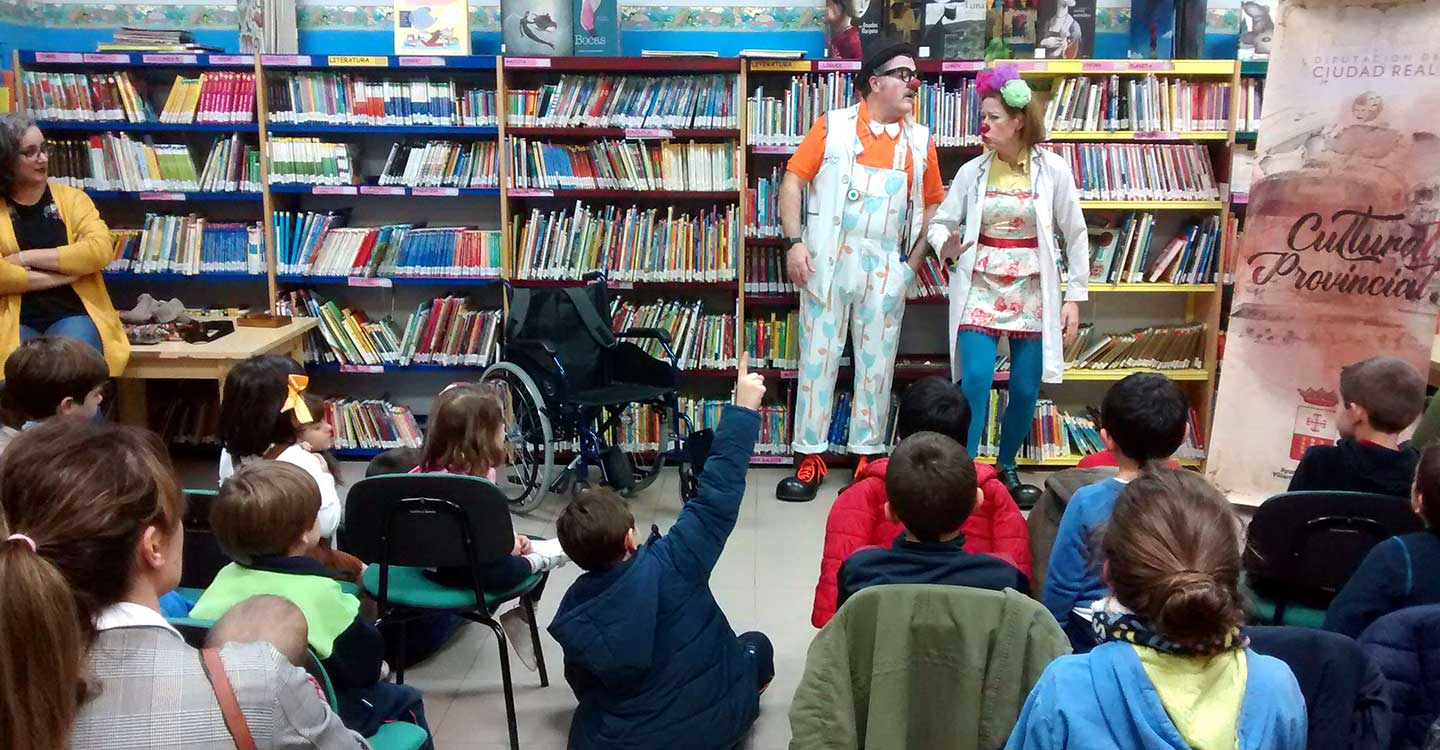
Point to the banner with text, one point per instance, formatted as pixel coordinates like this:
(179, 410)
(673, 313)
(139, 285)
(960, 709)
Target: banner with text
(1338, 256)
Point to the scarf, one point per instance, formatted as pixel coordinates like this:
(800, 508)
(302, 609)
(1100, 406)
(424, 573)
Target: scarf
(1112, 621)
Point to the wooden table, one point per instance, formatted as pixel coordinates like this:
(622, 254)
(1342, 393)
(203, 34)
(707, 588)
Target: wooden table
(178, 360)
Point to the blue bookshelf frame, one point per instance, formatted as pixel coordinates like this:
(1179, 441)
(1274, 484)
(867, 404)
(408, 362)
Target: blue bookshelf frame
(219, 276)
(121, 126)
(164, 196)
(342, 129)
(30, 58)
(378, 191)
(397, 62)
(373, 282)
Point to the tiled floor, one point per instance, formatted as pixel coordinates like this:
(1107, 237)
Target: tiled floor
(765, 581)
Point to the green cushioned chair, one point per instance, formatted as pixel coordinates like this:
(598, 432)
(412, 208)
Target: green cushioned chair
(1261, 610)
(401, 524)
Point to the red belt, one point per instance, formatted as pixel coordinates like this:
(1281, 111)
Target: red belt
(1009, 241)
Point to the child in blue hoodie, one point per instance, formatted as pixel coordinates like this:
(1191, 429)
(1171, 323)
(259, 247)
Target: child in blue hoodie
(1142, 420)
(1172, 671)
(650, 656)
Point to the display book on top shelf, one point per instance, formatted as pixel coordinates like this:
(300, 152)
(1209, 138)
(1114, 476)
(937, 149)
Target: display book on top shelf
(775, 125)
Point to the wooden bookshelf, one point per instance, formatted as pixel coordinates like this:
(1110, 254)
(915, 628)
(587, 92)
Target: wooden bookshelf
(1202, 302)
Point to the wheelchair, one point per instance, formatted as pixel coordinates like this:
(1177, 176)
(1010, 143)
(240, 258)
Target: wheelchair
(572, 385)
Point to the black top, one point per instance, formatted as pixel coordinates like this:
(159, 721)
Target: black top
(39, 227)
(1353, 466)
(909, 561)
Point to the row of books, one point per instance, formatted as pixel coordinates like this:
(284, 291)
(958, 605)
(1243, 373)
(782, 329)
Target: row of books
(310, 161)
(763, 202)
(119, 162)
(951, 109)
(641, 427)
(628, 244)
(1248, 104)
(186, 415)
(212, 96)
(110, 97)
(1126, 252)
(1140, 104)
(442, 164)
(372, 424)
(774, 341)
(699, 340)
(346, 99)
(131, 39)
(1179, 347)
(187, 245)
(627, 101)
(622, 165)
(314, 244)
(765, 271)
(784, 117)
(444, 331)
(1139, 171)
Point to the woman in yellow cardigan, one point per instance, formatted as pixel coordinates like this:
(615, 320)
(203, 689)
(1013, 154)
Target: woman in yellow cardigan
(53, 245)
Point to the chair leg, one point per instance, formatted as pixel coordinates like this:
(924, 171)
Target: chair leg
(529, 605)
(505, 679)
(400, 651)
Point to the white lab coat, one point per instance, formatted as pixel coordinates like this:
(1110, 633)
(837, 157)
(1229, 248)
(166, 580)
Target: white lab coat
(1057, 206)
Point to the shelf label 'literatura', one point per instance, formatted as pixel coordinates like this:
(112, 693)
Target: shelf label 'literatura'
(359, 61)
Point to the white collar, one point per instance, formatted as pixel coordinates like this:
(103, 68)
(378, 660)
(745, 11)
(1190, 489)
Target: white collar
(893, 128)
(131, 615)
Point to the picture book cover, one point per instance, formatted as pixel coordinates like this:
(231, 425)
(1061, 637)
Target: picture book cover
(540, 28)
(1112, 29)
(1209, 30)
(1257, 29)
(597, 28)
(1152, 30)
(432, 27)
(1066, 29)
(1020, 20)
(953, 30)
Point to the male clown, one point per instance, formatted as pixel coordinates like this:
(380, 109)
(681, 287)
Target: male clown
(871, 182)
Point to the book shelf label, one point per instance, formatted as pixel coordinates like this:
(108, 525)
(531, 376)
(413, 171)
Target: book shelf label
(168, 59)
(381, 190)
(435, 191)
(789, 374)
(1157, 135)
(1087, 66)
(162, 196)
(105, 57)
(59, 57)
(649, 133)
(780, 66)
(961, 66)
(1032, 65)
(285, 59)
(622, 285)
(333, 190)
(772, 460)
(359, 61)
(527, 62)
(772, 149)
(528, 193)
(369, 282)
(825, 66)
(1151, 65)
(413, 61)
(366, 369)
(231, 59)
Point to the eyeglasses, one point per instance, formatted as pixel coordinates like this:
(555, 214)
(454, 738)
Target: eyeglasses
(902, 74)
(35, 152)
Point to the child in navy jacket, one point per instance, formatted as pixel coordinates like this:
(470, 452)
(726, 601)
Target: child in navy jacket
(648, 652)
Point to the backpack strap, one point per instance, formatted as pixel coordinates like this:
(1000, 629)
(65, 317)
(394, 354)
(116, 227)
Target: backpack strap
(598, 329)
(229, 704)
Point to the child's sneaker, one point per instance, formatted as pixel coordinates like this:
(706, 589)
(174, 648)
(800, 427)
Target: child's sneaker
(546, 555)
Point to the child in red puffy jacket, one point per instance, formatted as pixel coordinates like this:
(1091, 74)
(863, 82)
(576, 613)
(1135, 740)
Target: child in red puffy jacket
(857, 519)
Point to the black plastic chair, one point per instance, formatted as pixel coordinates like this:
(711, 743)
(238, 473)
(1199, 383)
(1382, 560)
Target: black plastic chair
(404, 523)
(1302, 547)
(203, 557)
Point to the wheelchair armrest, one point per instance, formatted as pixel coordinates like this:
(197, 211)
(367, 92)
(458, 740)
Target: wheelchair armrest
(659, 334)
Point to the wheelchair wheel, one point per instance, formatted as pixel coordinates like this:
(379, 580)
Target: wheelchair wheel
(526, 480)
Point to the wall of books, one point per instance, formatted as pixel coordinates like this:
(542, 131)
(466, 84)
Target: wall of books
(385, 196)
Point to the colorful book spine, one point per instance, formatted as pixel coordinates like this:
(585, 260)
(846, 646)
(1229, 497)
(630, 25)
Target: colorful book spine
(622, 165)
(699, 340)
(629, 244)
(372, 424)
(86, 97)
(442, 164)
(1139, 171)
(951, 109)
(627, 101)
(782, 118)
(774, 341)
(1127, 103)
(211, 97)
(1248, 104)
(108, 161)
(310, 161)
(188, 245)
(764, 204)
(1161, 348)
(765, 272)
(446, 331)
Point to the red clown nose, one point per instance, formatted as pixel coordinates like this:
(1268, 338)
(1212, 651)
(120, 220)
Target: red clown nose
(984, 128)
(914, 84)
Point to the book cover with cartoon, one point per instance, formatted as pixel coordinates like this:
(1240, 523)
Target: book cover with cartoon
(538, 28)
(432, 27)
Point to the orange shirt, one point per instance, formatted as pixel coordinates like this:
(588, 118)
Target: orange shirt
(878, 151)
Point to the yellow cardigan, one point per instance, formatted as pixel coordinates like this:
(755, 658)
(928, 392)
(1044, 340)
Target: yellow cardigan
(89, 251)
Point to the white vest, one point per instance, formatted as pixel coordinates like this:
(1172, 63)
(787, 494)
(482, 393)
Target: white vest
(826, 193)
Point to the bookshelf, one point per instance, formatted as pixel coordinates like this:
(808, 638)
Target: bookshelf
(484, 92)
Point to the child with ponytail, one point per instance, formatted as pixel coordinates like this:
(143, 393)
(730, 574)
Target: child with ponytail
(1172, 670)
(86, 658)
